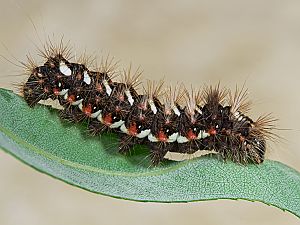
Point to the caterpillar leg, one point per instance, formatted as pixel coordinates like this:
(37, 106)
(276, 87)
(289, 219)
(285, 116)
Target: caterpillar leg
(158, 151)
(128, 142)
(157, 156)
(95, 127)
(72, 114)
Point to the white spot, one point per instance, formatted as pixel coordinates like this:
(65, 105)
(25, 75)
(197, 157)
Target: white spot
(200, 135)
(182, 139)
(77, 102)
(64, 69)
(124, 129)
(152, 138)
(96, 114)
(86, 77)
(204, 134)
(117, 124)
(143, 133)
(129, 96)
(236, 114)
(152, 106)
(198, 110)
(66, 96)
(99, 118)
(63, 91)
(176, 111)
(173, 137)
(59, 84)
(80, 106)
(107, 87)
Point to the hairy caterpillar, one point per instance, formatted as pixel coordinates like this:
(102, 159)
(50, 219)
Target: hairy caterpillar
(170, 119)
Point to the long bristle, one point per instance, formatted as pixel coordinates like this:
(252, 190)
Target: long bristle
(193, 98)
(51, 49)
(174, 96)
(108, 65)
(265, 126)
(214, 95)
(86, 59)
(154, 89)
(131, 79)
(239, 101)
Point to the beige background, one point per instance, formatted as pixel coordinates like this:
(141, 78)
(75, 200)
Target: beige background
(199, 42)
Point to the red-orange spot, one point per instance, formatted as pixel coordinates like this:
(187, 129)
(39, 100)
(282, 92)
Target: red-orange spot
(71, 99)
(107, 119)
(132, 130)
(162, 136)
(87, 110)
(191, 135)
(212, 131)
(56, 91)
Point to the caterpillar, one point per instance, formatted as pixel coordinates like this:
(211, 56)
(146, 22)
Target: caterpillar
(166, 119)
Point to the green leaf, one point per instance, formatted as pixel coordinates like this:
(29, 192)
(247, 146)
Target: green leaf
(64, 151)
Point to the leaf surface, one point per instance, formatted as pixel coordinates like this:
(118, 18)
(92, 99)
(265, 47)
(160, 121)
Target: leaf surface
(65, 151)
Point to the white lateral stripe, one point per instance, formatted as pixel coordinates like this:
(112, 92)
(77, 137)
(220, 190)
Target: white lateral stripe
(66, 96)
(204, 134)
(77, 102)
(124, 129)
(117, 124)
(199, 135)
(86, 77)
(107, 87)
(96, 114)
(80, 106)
(64, 69)
(173, 137)
(152, 138)
(99, 118)
(129, 96)
(63, 91)
(143, 133)
(182, 139)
